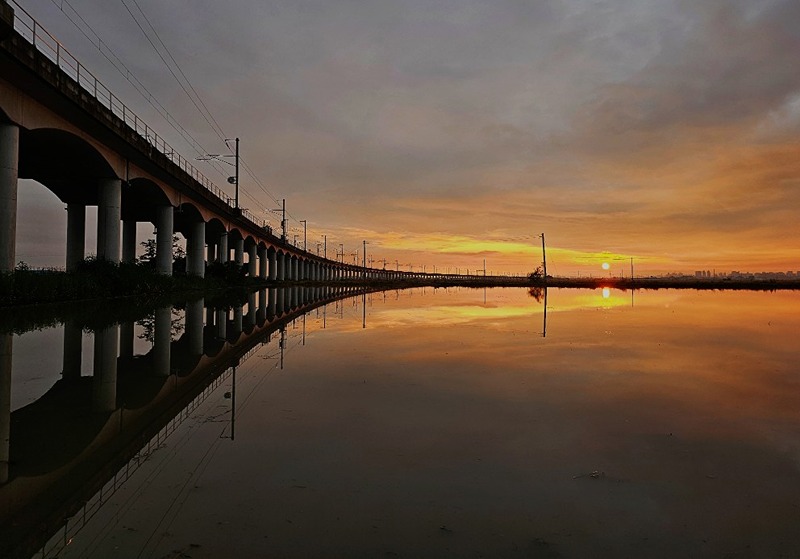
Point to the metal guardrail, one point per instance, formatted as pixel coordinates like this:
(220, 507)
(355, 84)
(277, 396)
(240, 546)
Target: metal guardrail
(47, 44)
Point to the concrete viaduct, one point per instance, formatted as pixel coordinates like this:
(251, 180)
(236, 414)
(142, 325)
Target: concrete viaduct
(61, 127)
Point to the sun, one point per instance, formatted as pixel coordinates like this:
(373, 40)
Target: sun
(605, 265)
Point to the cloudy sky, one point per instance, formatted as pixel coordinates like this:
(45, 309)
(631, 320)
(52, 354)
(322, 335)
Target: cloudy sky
(446, 132)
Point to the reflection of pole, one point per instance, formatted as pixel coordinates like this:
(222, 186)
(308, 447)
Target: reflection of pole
(6, 346)
(364, 310)
(544, 319)
(282, 343)
(304, 329)
(233, 403)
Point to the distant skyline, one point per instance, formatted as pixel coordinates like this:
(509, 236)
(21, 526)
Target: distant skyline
(451, 131)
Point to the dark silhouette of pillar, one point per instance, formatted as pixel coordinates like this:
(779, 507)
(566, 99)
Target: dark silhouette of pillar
(73, 350)
(108, 219)
(165, 229)
(104, 382)
(9, 173)
(6, 346)
(76, 235)
(162, 341)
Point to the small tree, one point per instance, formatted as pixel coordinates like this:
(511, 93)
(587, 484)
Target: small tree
(150, 250)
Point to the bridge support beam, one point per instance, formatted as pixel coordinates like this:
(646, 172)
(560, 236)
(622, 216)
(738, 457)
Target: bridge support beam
(238, 250)
(273, 264)
(280, 266)
(262, 262)
(165, 222)
(129, 241)
(195, 250)
(224, 252)
(9, 173)
(76, 234)
(108, 219)
(251, 261)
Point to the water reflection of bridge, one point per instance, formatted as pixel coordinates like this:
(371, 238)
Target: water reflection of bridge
(84, 434)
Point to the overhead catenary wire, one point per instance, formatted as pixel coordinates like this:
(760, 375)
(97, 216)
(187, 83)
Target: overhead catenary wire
(175, 70)
(120, 66)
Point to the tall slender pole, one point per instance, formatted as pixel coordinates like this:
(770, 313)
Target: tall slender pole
(325, 247)
(364, 261)
(305, 237)
(237, 173)
(631, 268)
(544, 258)
(283, 221)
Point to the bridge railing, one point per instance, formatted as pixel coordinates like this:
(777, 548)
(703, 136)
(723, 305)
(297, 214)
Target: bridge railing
(48, 45)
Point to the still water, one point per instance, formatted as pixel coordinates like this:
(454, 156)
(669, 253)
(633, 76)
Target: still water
(419, 423)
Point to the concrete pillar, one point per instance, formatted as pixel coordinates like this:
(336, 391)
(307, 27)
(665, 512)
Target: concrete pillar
(6, 346)
(252, 264)
(211, 253)
(104, 382)
(9, 173)
(164, 231)
(262, 262)
(273, 264)
(162, 341)
(108, 219)
(73, 350)
(76, 234)
(196, 249)
(281, 266)
(126, 339)
(238, 250)
(224, 252)
(194, 326)
(295, 268)
(129, 241)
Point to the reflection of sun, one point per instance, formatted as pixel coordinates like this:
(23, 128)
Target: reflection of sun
(606, 293)
(605, 265)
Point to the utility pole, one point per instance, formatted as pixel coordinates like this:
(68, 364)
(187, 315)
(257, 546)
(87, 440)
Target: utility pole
(305, 244)
(237, 173)
(631, 268)
(364, 261)
(283, 221)
(484, 267)
(544, 258)
(325, 247)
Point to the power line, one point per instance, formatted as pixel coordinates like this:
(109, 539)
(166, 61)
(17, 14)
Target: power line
(172, 72)
(120, 66)
(197, 95)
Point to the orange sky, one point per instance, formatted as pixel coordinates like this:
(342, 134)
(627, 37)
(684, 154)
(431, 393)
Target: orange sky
(667, 131)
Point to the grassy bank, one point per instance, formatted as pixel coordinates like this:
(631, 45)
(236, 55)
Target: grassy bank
(98, 279)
